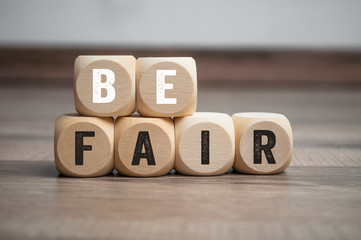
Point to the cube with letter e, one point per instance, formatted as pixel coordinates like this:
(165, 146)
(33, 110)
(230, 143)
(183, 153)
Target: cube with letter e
(166, 87)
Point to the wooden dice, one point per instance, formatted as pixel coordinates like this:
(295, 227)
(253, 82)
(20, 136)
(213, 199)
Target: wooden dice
(152, 144)
(104, 86)
(264, 143)
(84, 146)
(144, 147)
(204, 144)
(166, 87)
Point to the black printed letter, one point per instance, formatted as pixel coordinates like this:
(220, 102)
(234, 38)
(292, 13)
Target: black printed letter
(258, 147)
(143, 139)
(79, 147)
(205, 147)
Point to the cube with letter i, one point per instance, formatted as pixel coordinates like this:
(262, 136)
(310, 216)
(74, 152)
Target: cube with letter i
(204, 144)
(166, 87)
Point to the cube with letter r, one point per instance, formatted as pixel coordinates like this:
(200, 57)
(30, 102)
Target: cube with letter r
(264, 142)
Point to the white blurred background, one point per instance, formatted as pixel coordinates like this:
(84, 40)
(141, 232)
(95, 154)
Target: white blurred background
(191, 24)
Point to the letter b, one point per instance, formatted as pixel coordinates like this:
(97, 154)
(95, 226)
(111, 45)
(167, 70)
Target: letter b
(98, 85)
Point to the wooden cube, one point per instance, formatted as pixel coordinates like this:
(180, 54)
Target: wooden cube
(264, 143)
(166, 87)
(104, 86)
(84, 146)
(204, 144)
(144, 147)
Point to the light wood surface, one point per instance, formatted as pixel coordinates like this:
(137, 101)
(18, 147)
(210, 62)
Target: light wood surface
(166, 87)
(302, 203)
(264, 142)
(317, 197)
(118, 85)
(84, 146)
(144, 147)
(204, 144)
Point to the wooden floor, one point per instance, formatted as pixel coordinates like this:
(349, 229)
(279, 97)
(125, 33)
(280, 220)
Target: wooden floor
(318, 197)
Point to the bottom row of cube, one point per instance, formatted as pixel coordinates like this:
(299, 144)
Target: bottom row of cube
(201, 144)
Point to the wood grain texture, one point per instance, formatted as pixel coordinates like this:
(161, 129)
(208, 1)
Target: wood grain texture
(325, 122)
(302, 203)
(123, 98)
(84, 146)
(192, 157)
(317, 197)
(144, 146)
(275, 142)
(179, 85)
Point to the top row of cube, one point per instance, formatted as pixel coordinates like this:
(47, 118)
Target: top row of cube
(118, 85)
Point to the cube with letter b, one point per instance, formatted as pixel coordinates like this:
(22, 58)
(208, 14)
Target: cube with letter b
(264, 143)
(166, 87)
(84, 146)
(104, 86)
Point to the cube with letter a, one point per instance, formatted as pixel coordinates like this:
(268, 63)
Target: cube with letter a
(264, 142)
(166, 87)
(144, 146)
(104, 86)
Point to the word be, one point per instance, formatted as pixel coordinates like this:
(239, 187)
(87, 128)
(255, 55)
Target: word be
(108, 86)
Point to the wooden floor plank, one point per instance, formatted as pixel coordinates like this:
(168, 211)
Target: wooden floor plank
(303, 202)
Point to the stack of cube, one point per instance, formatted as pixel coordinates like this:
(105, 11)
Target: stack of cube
(166, 133)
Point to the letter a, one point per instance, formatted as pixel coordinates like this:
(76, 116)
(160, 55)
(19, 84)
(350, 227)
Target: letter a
(143, 140)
